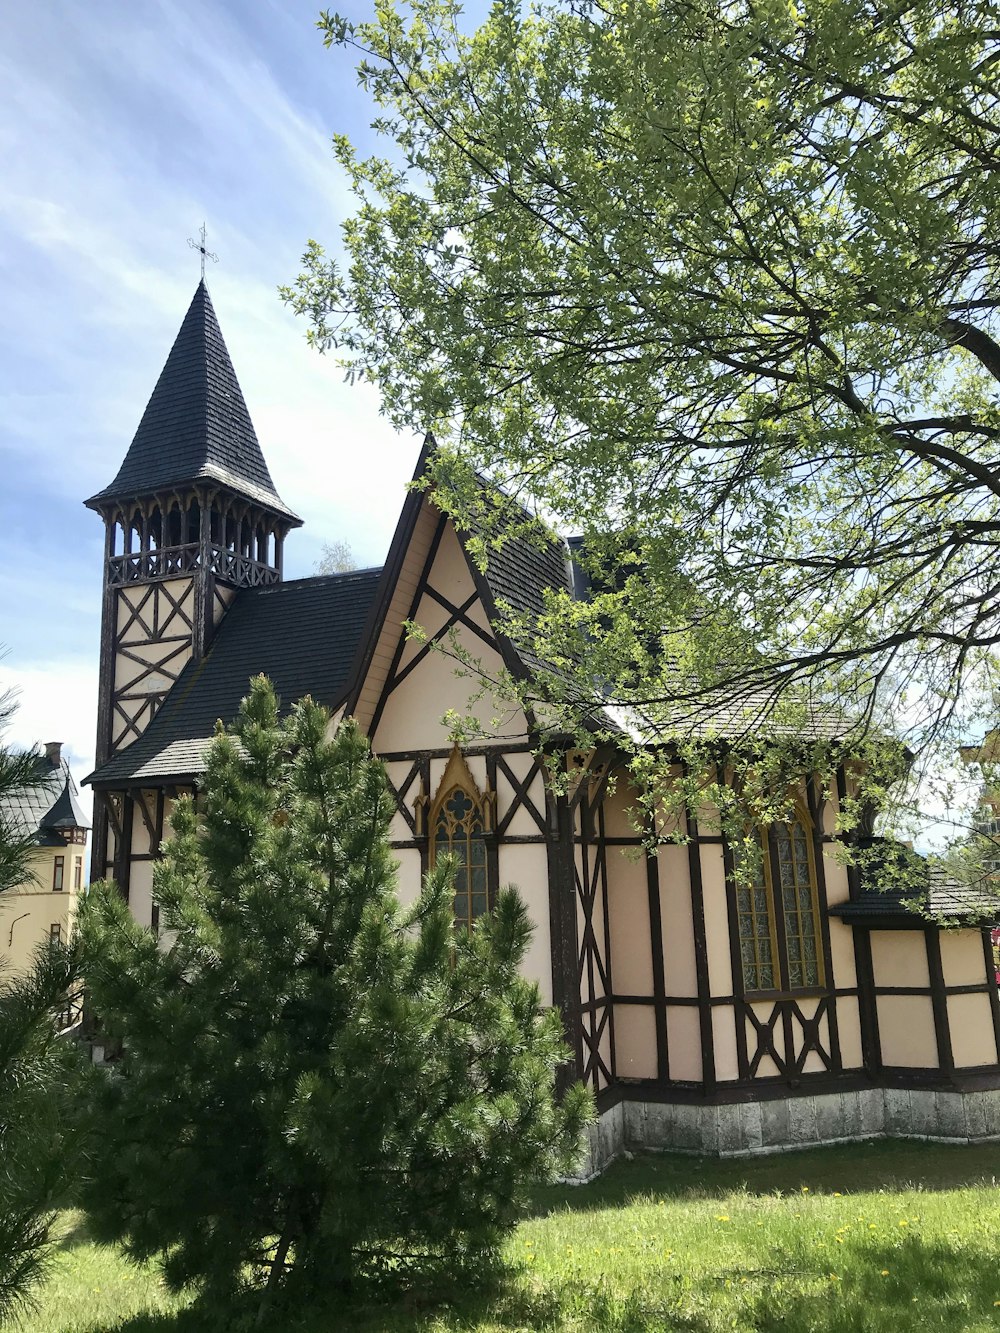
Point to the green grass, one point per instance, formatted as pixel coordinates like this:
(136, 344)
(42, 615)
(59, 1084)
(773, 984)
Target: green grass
(869, 1238)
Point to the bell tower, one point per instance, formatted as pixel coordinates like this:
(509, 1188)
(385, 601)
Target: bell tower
(191, 518)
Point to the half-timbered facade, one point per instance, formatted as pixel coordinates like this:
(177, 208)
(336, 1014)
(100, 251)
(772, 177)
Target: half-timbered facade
(707, 1010)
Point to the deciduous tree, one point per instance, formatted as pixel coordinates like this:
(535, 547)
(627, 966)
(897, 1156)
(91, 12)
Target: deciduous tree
(714, 284)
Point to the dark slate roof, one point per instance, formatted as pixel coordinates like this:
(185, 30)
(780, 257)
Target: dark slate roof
(66, 813)
(520, 569)
(196, 426)
(303, 634)
(946, 901)
(519, 573)
(47, 807)
(928, 895)
(734, 716)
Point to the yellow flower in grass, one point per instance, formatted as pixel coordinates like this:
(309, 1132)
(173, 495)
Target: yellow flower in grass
(885, 1272)
(903, 1222)
(722, 1217)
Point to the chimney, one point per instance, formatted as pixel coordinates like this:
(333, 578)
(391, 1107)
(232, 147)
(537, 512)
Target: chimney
(53, 752)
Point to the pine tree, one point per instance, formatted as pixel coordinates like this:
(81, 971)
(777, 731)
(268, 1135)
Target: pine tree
(39, 1071)
(41, 1133)
(318, 1087)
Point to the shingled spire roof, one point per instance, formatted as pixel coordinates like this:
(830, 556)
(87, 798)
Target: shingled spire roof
(196, 426)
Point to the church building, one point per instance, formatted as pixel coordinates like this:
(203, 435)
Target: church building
(706, 1015)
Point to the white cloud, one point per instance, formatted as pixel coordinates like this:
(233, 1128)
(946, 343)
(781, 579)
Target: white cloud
(55, 702)
(121, 128)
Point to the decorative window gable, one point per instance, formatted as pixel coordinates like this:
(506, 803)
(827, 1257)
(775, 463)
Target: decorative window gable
(459, 820)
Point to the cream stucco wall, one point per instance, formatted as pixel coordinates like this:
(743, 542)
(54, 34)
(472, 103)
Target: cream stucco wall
(412, 715)
(849, 1029)
(526, 868)
(962, 958)
(845, 974)
(684, 1042)
(970, 1019)
(28, 913)
(629, 923)
(136, 636)
(713, 885)
(140, 892)
(677, 922)
(906, 1030)
(899, 958)
(724, 1041)
(635, 1041)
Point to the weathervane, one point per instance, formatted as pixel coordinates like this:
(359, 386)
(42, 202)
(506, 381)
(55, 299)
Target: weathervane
(205, 253)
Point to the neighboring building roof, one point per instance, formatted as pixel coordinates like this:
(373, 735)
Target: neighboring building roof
(196, 426)
(47, 807)
(304, 635)
(66, 813)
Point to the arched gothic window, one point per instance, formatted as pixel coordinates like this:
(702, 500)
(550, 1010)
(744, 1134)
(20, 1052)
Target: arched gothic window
(777, 911)
(461, 818)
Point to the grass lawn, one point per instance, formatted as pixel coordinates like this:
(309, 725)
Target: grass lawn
(870, 1237)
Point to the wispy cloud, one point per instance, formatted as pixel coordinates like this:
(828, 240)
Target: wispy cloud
(121, 128)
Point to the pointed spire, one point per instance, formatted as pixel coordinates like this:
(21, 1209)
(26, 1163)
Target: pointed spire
(196, 426)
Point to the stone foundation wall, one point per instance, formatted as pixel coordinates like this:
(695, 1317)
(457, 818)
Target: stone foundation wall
(740, 1129)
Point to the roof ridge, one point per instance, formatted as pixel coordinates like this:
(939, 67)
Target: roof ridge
(324, 578)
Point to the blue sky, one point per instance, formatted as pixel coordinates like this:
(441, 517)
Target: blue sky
(123, 126)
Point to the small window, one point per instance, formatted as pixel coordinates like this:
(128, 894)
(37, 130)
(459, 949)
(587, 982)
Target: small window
(55, 932)
(58, 870)
(77, 872)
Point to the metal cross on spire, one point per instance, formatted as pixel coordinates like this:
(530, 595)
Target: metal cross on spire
(201, 247)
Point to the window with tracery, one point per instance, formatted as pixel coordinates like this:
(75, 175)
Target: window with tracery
(460, 821)
(458, 831)
(758, 945)
(777, 912)
(800, 909)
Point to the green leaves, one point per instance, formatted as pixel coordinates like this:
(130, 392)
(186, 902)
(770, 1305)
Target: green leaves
(713, 286)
